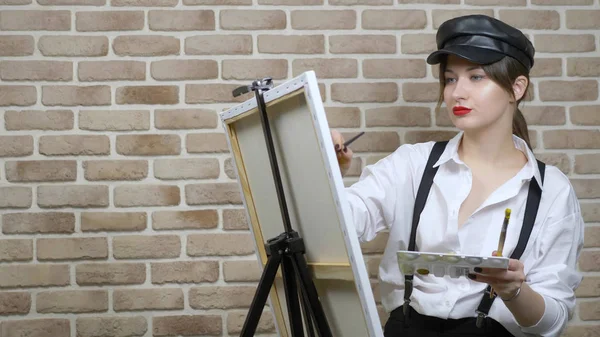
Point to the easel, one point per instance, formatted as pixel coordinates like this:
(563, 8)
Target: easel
(287, 250)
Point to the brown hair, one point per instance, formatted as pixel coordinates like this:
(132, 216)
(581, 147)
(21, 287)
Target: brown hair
(504, 73)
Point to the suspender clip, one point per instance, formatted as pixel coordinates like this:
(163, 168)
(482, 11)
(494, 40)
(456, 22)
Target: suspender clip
(480, 319)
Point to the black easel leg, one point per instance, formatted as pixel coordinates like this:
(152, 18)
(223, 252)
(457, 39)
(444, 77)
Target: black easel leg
(311, 293)
(261, 295)
(306, 312)
(291, 297)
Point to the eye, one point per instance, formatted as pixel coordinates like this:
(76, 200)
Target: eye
(477, 77)
(450, 80)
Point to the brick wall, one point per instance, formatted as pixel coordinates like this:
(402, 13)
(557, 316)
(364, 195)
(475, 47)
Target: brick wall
(120, 211)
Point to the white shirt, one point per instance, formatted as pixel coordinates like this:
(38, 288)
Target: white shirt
(384, 198)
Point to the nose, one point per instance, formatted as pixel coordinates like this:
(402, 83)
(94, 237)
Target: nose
(459, 92)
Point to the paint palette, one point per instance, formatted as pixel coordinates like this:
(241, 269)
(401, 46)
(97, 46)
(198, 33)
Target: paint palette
(440, 265)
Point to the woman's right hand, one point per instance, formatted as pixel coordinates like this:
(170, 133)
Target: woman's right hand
(343, 154)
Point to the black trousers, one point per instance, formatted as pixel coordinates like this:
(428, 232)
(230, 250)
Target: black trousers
(426, 326)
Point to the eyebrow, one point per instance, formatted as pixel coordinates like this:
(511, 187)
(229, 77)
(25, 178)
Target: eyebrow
(468, 69)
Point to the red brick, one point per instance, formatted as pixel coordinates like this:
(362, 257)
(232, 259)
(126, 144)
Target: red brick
(16, 146)
(148, 45)
(15, 250)
(206, 143)
(212, 194)
(84, 196)
(364, 92)
(32, 223)
(167, 70)
(146, 247)
(74, 145)
(149, 94)
(20, 95)
(109, 21)
(113, 221)
(393, 19)
(38, 120)
(33, 275)
(148, 145)
(73, 45)
(227, 297)
(88, 274)
(253, 69)
(72, 248)
(148, 299)
(72, 301)
(146, 195)
(41, 170)
(184, 272)
(218, 45)
(394, 68)
(70, 95)
(187, 325)
(343, 117)
(15, 197)
(326, 67)
(195, 219)
(585, 115)
(362, 44)
(112, 70)
(46, 327)
(234, 219)
(398, 116)
(15, 303)
(291, 44)
(249, 20)
(56, 20)
(219, 244)
(192, 168)
(144, 3)
(36, 71)
(181, 20)
(16, 45)
(564, 43)
(213, 93)
(323, 19)
(111, 326)
(185, 119)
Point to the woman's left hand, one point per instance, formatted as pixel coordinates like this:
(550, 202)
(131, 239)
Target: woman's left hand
(505, 283)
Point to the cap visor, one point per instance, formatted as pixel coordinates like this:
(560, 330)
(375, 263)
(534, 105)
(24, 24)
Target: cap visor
(474, 54)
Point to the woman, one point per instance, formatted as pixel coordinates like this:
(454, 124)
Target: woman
(488, 167)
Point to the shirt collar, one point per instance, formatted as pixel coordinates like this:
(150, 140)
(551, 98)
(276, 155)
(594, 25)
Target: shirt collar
(531, 169)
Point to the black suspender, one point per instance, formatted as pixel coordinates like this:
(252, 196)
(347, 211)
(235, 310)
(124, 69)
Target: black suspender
(531, 208)
(422, 193)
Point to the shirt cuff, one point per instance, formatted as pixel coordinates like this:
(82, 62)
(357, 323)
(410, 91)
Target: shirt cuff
(550, 323)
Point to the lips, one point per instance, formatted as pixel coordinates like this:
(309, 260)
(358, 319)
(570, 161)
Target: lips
(460, 110)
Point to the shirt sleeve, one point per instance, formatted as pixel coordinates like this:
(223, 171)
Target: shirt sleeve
(554, 275)
(374, 197)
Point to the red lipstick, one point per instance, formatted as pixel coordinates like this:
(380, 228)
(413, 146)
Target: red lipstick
(460, 110)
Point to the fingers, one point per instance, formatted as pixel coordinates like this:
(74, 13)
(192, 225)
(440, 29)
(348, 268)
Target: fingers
(343, 153)
(337, 138)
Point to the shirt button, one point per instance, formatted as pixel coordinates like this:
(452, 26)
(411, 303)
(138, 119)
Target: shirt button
(448, 304)
(463, 287)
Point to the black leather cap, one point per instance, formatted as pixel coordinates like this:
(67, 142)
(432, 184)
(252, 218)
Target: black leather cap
(483, 40)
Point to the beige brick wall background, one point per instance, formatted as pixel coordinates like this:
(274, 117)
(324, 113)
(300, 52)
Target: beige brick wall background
(121, 215)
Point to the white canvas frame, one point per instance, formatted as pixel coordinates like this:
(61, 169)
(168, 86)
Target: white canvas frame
(296, 93)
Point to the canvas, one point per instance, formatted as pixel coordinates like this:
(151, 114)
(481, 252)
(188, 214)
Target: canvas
(313, 188)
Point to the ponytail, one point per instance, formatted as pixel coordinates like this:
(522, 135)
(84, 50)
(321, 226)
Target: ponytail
(519, 127)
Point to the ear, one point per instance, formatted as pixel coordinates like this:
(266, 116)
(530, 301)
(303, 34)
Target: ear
(519, 87)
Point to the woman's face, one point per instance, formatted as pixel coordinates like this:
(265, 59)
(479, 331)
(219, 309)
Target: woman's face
(474, 102)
